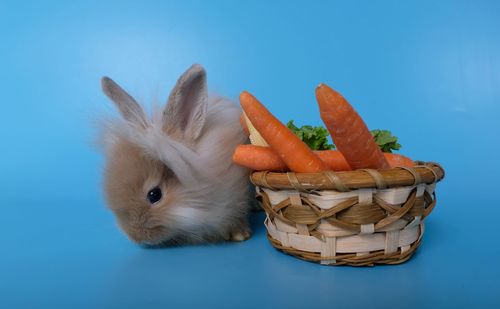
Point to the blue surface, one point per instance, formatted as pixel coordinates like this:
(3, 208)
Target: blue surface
(429, 71)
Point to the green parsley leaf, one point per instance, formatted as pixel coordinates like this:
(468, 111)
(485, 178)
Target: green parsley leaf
(315, 137)
(385, 140)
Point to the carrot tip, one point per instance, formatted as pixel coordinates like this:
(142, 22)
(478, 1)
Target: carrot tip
(245, 93)
(322, 89)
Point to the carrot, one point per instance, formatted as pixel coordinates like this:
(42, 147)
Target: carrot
(334, 160)
(398, 160)
(244, 124)
(258, 158)
(253, 134)
(265, 159)
(348, 130)
(295, 153)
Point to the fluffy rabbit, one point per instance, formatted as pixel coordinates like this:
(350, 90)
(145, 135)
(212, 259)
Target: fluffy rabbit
(170, 179)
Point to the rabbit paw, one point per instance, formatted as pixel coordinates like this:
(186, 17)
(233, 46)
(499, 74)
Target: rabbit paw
(241, 232)
(240, 235)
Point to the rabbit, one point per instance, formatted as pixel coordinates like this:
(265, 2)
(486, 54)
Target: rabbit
(169, 179)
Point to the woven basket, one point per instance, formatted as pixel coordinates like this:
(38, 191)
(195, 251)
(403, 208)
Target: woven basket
(360, 218)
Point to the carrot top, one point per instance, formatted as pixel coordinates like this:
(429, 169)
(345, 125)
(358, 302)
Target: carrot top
(315, 137)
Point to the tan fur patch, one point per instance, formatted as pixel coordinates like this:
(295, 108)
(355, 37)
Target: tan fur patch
(129, 175)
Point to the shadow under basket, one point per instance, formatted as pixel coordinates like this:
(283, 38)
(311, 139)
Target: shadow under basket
(360, 218)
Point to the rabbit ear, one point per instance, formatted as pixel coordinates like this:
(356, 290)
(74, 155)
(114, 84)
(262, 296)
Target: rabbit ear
(127, 106)
(187, 104)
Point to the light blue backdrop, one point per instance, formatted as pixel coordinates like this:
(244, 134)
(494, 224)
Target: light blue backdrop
(427, 70)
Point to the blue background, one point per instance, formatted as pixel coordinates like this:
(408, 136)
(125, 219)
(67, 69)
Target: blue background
(427, 70)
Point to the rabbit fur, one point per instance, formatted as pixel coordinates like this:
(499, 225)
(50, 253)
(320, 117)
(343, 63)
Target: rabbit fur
(185, 152)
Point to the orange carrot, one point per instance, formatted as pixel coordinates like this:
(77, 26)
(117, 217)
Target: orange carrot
(244, 124)
(349, 132)
(398, 160)
(260, 158)
(295, 153)
(334, 160)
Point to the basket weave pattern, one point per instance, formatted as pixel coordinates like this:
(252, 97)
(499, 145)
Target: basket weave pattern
(352, 219)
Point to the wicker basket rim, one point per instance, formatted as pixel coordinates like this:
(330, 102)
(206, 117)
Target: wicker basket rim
(422, 172)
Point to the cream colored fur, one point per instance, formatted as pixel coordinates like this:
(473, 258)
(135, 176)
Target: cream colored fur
(186, 150)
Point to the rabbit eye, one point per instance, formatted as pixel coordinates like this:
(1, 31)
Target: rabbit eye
(154, 195)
